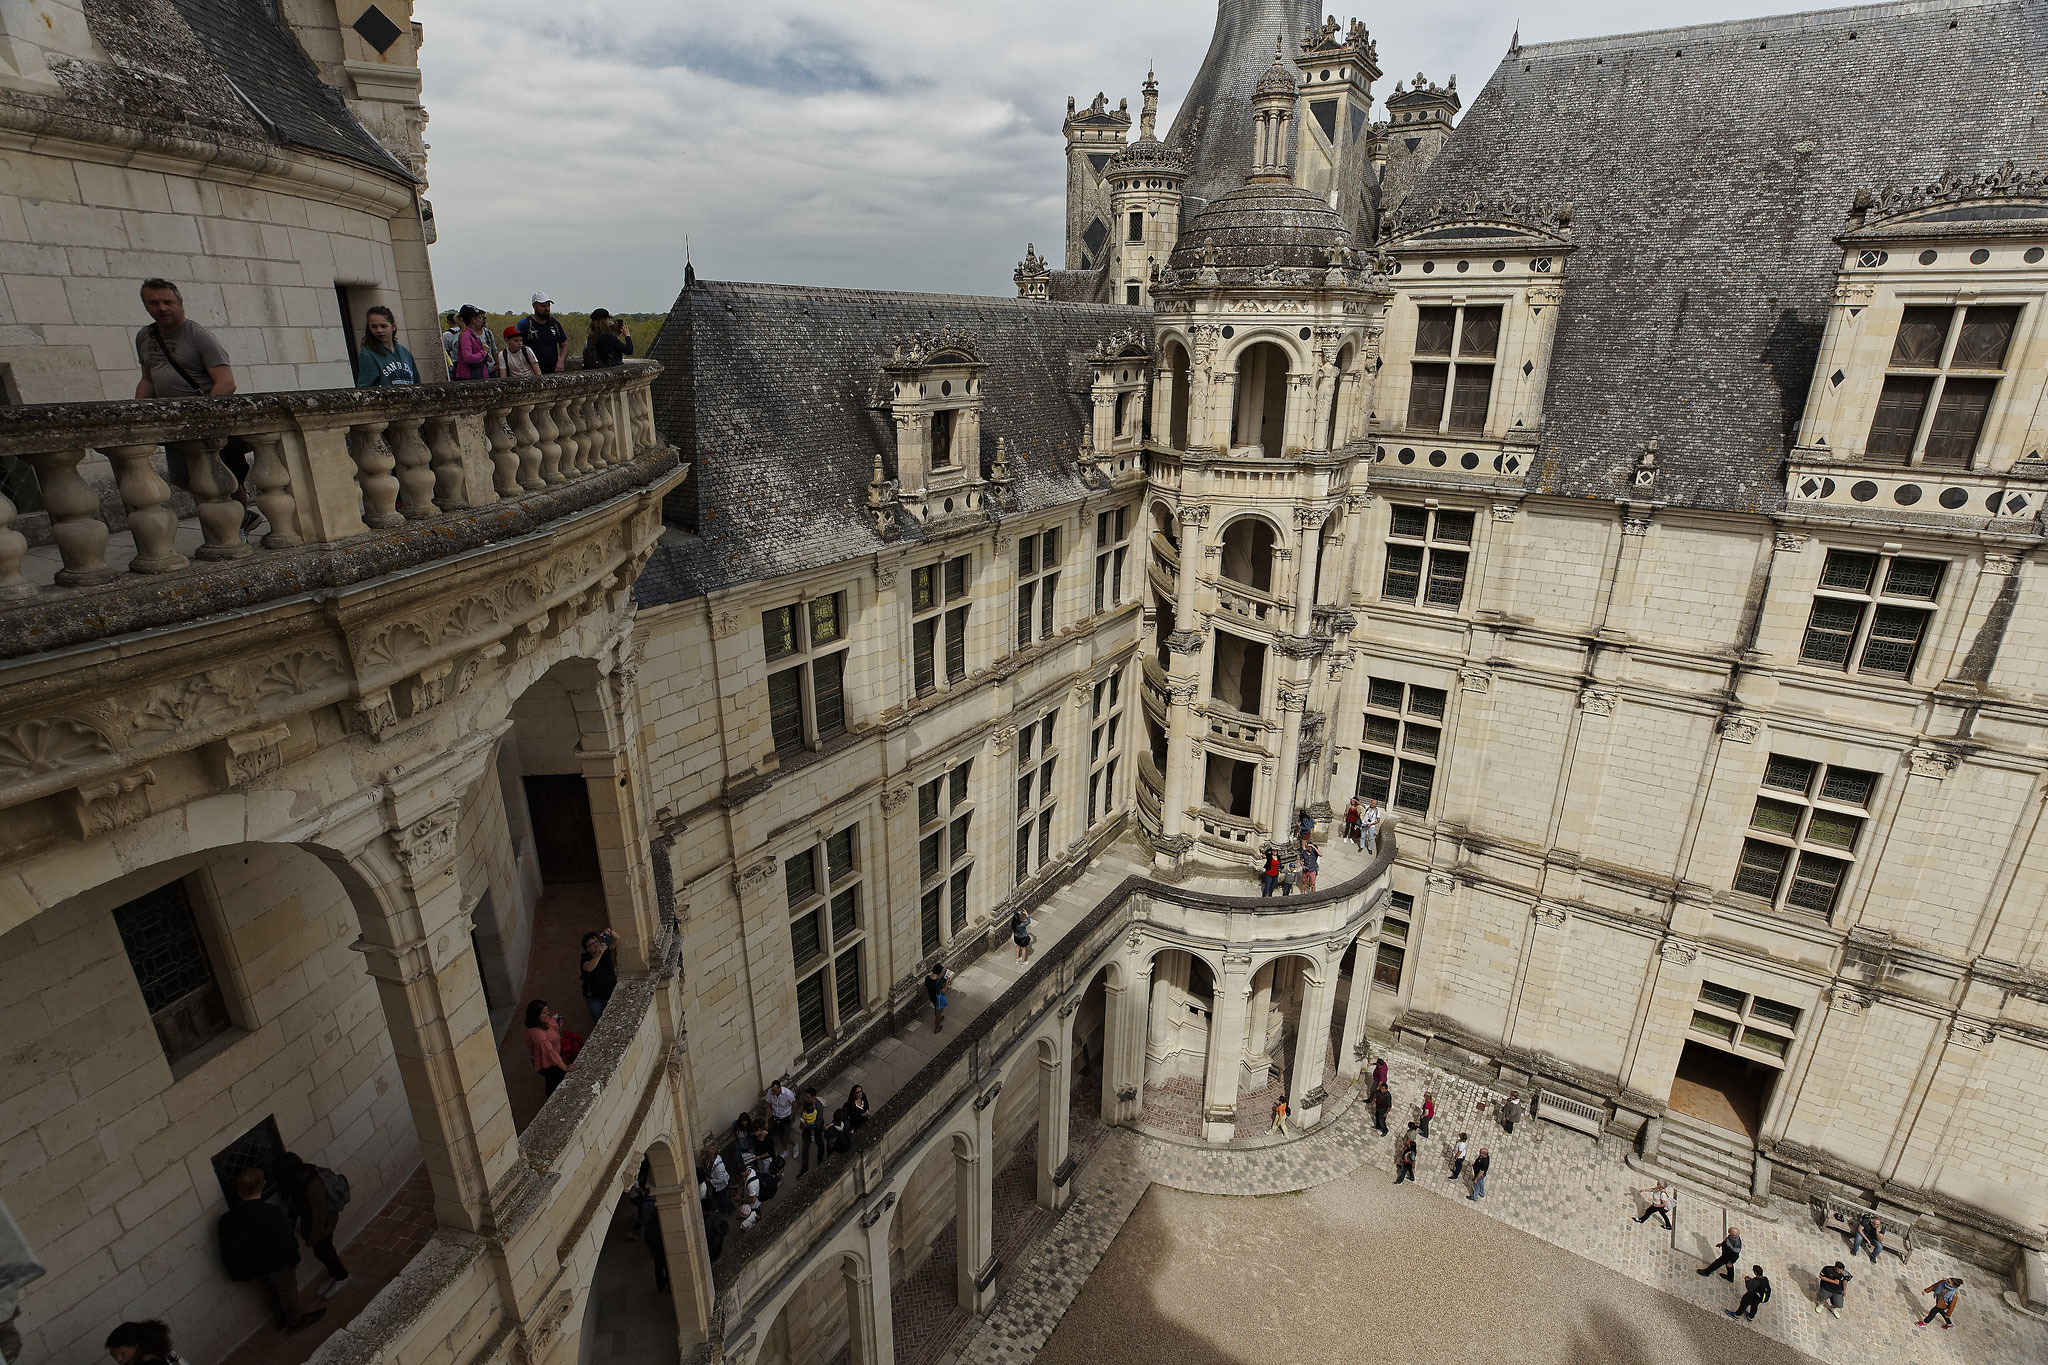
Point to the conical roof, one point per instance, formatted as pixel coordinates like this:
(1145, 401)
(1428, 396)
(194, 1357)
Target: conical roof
(1218, 107)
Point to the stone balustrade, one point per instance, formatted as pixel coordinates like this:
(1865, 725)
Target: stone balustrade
(345, 479)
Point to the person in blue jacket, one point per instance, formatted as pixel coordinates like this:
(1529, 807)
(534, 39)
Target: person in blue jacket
(383, 362)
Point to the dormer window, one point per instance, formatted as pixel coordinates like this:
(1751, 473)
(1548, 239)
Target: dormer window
(935, 397)
(1945, 367)
(1453, 393)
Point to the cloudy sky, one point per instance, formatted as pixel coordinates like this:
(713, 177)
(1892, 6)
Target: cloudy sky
(892, 144)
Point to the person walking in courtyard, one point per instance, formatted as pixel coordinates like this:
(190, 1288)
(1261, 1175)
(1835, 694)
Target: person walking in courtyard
(935, 989)
(1351, 832)
(1404, 1164)
(781, 1104)
(1945, 1292)
(1270, 873)
(1279, 1117)
(382, 362)
(1869, 1233)
(600, 971)
(256, 1243)
(1834, 1279)
(307, 1199)
(1511, 1111)
(1382, 1101)
(1480, 1166)
(544, 1043)
(1369, 822)
(1756, 1292)
(1428, 1112)
(1020, 933)
(1458, 1155)
(1658, 1206)
(810, 1128)
(1731, 1252)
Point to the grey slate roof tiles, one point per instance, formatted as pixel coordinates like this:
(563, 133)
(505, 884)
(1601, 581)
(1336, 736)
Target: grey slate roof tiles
(1221, 93)
(774, 395)
(1710, 168)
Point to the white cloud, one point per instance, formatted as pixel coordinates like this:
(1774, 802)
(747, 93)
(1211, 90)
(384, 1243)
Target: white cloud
(896, 144)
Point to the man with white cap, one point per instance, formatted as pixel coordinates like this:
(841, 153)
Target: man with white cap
(543, 332)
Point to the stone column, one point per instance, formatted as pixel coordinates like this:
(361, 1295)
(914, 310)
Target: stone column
(1055, 1073)
(1308, 522)
(1185, 652)
(974, 1207)
(1297, 432)
(1356, 1006)
(1219, 1080)
(1305, 1094)
(1162, 404)
(1255, 1065)
(416, 941)
(870, 1319)
(617, 810)
(1280, 825)
(1123, 1055)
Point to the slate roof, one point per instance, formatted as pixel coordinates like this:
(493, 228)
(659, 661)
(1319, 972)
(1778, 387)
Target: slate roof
(1710, 168)
(254, 50)
(1261, 224)
(235, 70)
(772, 394)
(1221, 93)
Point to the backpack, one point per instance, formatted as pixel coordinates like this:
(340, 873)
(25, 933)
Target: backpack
(336, 1185)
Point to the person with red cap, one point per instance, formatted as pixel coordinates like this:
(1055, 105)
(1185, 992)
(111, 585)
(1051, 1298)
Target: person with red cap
(520, 361)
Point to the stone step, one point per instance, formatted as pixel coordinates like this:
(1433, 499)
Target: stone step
(1711, 1156)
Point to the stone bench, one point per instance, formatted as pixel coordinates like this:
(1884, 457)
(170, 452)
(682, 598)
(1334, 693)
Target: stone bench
(1843, 1215)
(1589, 1119)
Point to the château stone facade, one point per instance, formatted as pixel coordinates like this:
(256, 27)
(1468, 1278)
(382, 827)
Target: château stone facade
(1659, 548)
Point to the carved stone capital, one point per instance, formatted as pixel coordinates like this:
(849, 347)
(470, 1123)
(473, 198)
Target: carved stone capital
(1504, 511)
(753, 876)
(1194, 514)
(1184, 642)
(1004, 738)
(1739, 727)
(241, 759)
(1843, 1000)
(425, 845)
(1307, 518)
(1551, 915)
(726, 621)
(2001, 564)
(988, 1096)
(1474, 680)
(1790, 542)
(1678, 950)
(1292, 699)
(107, 806)
(892, 801)
(881, 1206)
(1597, 701)
(1442, 882)
(1970, 1034)
(1635, 526)
(1934, 763)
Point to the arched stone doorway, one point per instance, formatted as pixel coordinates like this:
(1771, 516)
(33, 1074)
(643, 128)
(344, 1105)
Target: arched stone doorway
(1260, 417)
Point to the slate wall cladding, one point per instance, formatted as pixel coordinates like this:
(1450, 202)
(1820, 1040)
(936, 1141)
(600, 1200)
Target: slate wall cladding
(1710, 169)
(774, 394)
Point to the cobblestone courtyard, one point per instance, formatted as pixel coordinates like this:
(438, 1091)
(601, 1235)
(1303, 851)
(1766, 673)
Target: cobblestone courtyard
(1550, 1260)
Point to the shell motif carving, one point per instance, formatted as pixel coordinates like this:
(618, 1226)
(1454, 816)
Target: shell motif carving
(396, 643)
(43, 746)
(299, 673)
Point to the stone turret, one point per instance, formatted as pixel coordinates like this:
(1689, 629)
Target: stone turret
(1145, 182)
(1094, 135)
(1214, 122)
(1332, 149)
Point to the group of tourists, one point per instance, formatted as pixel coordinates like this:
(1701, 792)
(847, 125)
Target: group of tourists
(554, 1049)
(259, 1238)
(1830, 1285)
(537, 344)
(747, 1167)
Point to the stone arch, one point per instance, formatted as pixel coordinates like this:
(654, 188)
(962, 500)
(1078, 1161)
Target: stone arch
(1296, 351)
(1173, 1055)
(1249, 541)
(816, 1315)
(932, 1230)
(1165, 523)
(1178, 373)
(1259, 411)
(681, 1221)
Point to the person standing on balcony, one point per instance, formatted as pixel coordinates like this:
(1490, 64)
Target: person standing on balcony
(473, 345)
(1020, 933)
(810, 1128)
(1270, 873)
(1382, 1101)
(600, 971)
(856, 1108)
(781, 1104)
(181, 359)
(935, 987)
(520, 361)
(307, 1199)
(449, 338)
(609, 344)
(383, 362)
(1311, 864)
(1351, 826)
(544, 1043)
(257, 1243)
(544, 335)
(1369, 824)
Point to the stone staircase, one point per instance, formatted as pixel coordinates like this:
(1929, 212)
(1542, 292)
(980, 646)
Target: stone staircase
(1706, 1155)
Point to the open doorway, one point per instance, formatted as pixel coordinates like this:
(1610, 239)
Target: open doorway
(1722, 1089)
(564, 839)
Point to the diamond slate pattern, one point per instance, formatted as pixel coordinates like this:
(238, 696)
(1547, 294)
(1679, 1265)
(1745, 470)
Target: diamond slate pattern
(1707, 189)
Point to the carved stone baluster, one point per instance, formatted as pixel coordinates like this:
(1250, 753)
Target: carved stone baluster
(550, 446)
(213, 488)
(373, 476)
(13, 547)
(74, 519)
(504, 464)
(150, 520)
(526, 444)
(593, 434)
(446, 443)
(615, 444)
(415, 477)
(572, 449)
(272, 480)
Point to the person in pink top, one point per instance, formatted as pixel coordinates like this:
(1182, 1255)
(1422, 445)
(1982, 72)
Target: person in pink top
(473, 345)
(544, 1043)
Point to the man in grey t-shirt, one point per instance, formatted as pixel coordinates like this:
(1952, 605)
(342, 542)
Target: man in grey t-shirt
(181, 359)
